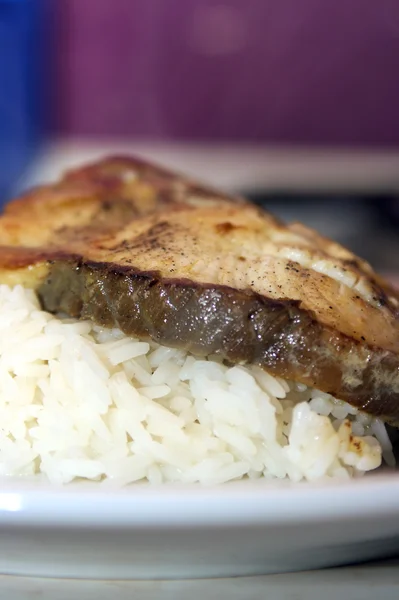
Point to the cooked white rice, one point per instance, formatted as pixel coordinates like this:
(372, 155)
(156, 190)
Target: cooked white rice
(78, 401)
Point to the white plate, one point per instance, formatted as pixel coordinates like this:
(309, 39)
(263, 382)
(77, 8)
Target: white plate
(244, 528)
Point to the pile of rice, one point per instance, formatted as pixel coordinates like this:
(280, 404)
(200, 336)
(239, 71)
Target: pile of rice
(78, 401)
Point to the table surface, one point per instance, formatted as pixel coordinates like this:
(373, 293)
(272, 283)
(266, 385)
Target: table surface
(235, 167)
(369, 581)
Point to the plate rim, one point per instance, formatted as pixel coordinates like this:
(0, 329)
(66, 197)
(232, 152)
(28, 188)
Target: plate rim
(239, 504)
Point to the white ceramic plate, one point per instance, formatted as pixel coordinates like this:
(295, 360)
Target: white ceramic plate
(244, 528)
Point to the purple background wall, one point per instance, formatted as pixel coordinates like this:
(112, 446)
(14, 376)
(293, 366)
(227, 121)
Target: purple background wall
(302, 71)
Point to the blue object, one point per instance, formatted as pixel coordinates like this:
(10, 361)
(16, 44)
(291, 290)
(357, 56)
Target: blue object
(21, 88)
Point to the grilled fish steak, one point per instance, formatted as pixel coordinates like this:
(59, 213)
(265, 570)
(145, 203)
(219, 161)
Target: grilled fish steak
(131, 245)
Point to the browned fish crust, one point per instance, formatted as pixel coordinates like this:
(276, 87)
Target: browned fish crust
(132, 246)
